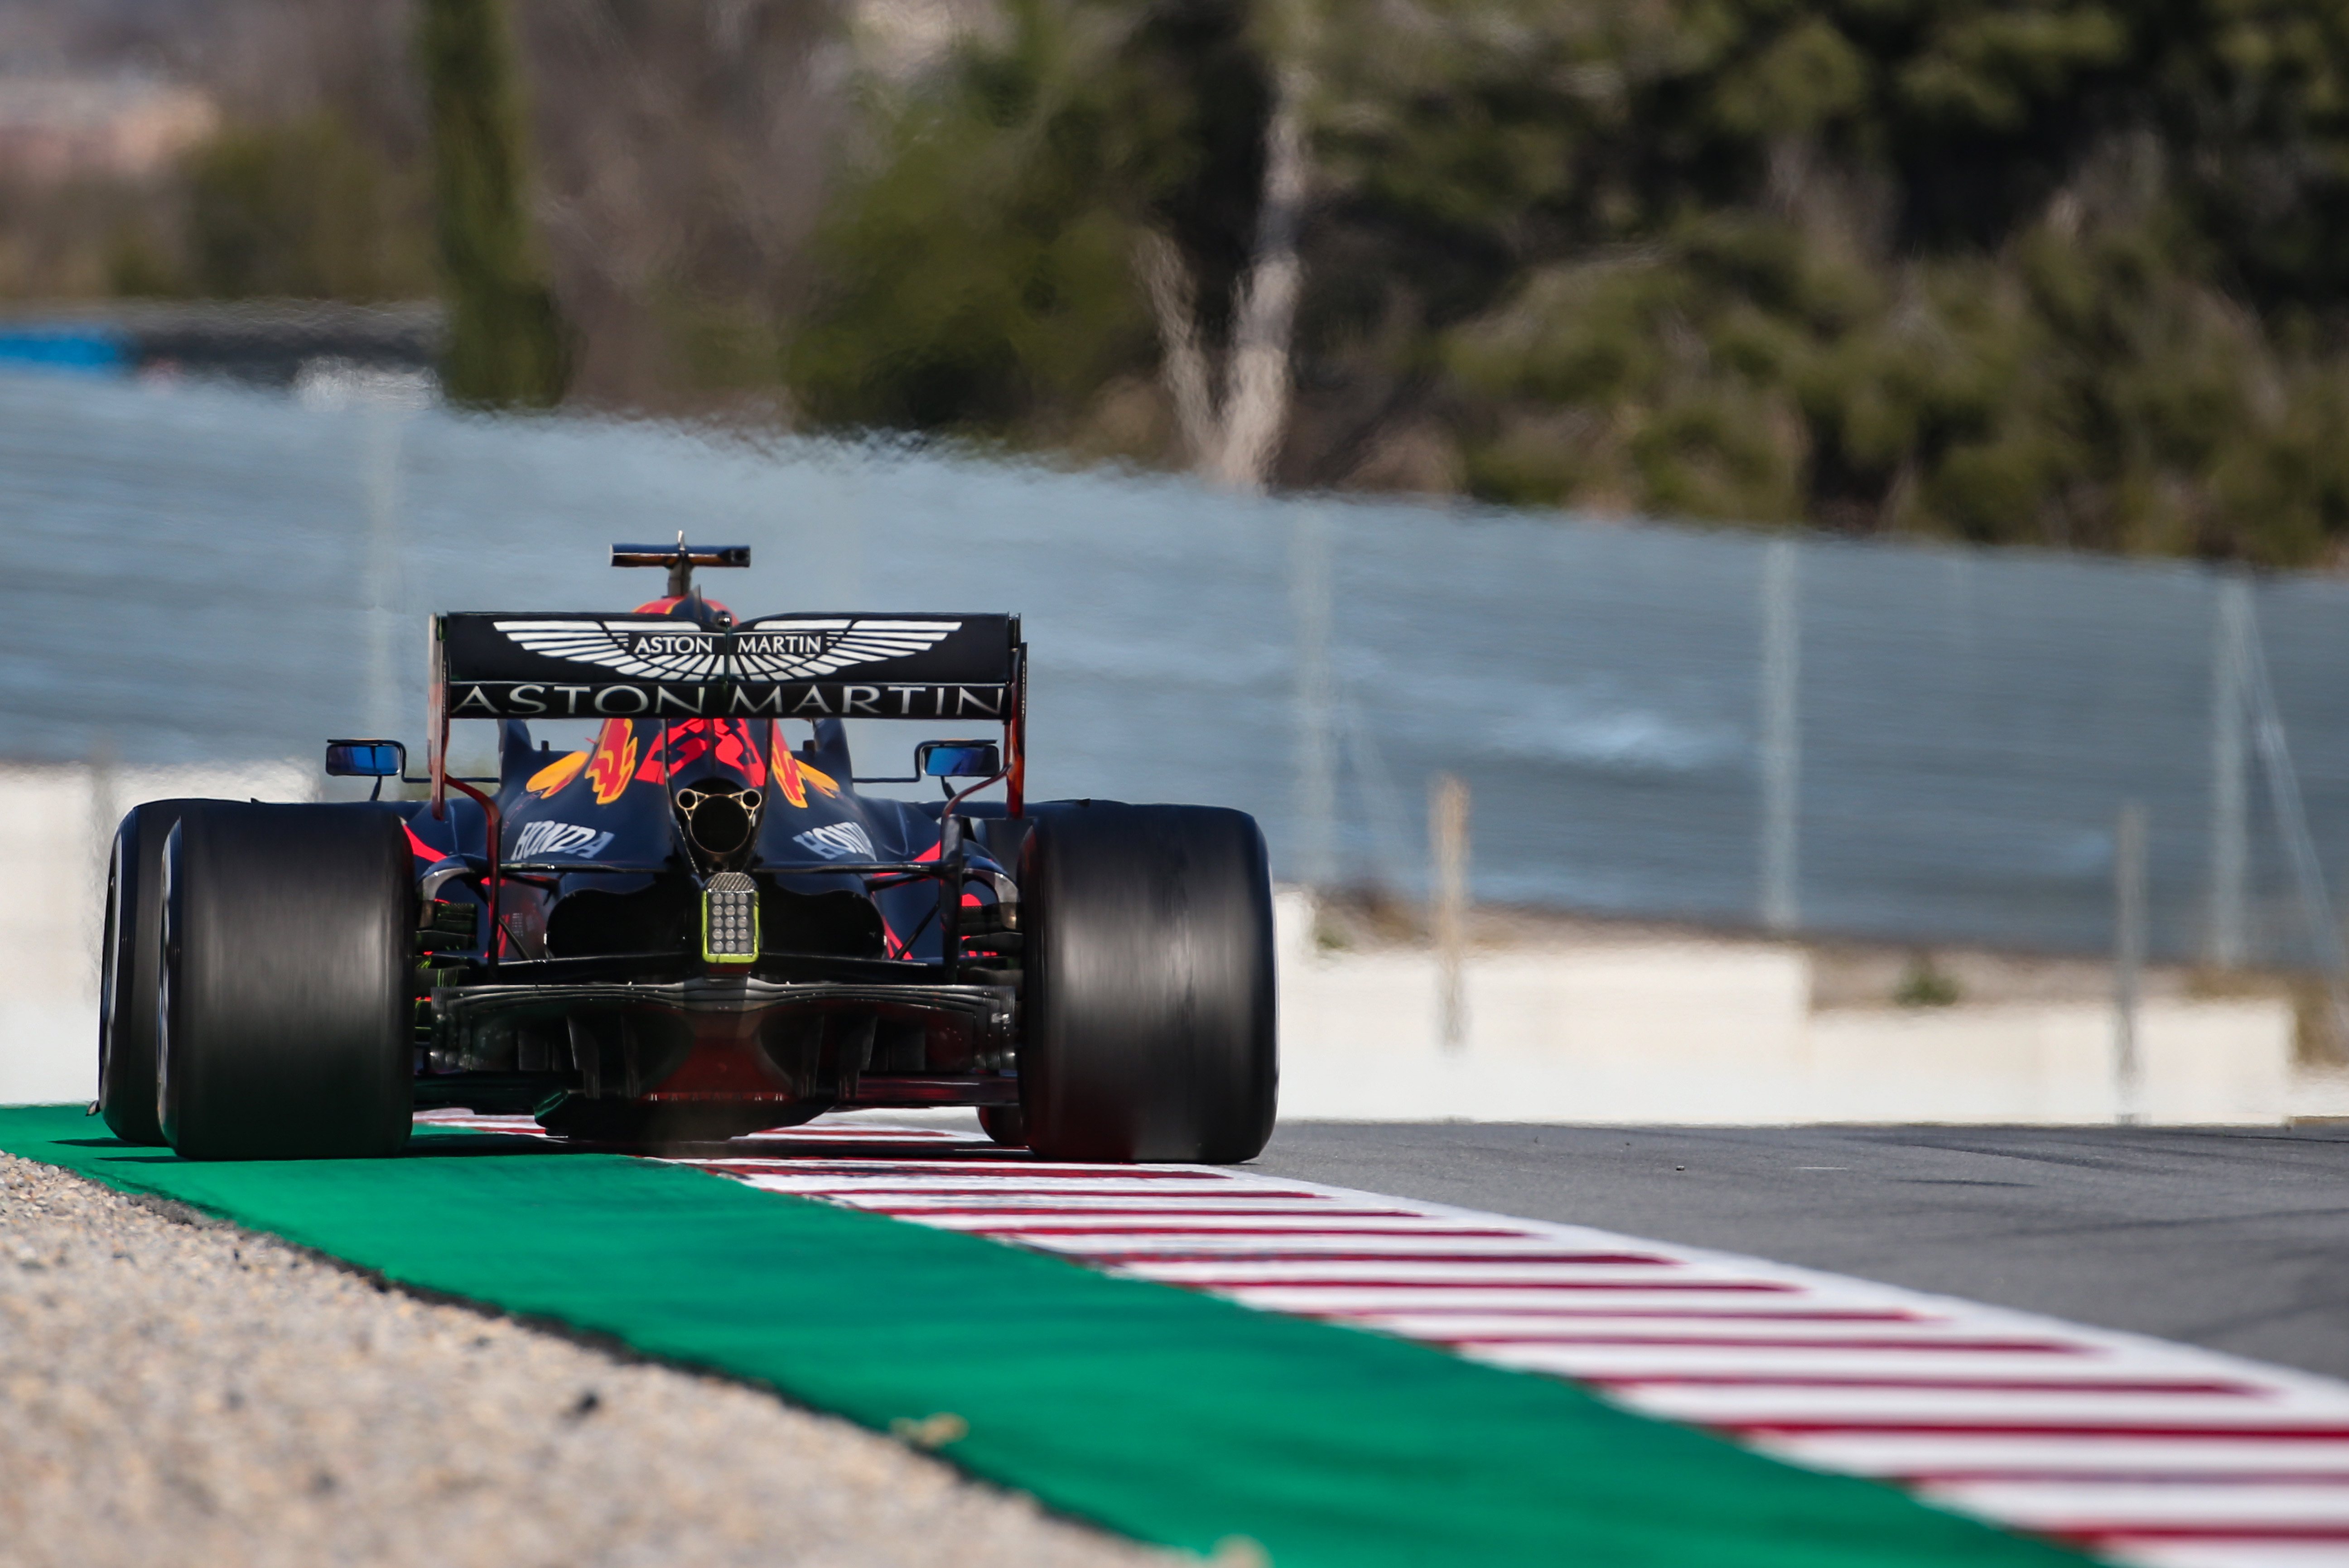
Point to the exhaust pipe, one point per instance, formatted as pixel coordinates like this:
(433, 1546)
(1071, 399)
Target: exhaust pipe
(720, 820)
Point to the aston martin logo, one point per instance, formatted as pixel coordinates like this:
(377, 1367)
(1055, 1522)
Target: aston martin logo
(788, 649)
(779, 648)
(687, 653)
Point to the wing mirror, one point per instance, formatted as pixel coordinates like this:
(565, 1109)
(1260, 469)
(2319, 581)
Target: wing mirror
(366, 759)
(957, 759)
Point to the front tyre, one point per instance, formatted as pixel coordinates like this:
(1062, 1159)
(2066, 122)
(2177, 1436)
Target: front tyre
(288, 964)
(1148, 1002)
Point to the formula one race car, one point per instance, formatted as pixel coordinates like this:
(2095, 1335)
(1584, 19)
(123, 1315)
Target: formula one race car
(693, 929)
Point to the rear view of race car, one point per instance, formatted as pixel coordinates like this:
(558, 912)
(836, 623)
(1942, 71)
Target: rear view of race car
(697, 925)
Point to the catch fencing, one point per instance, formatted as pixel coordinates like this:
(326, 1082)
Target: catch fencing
(1905, 742)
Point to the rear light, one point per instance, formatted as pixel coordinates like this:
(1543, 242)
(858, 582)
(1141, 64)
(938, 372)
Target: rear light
(729, 919)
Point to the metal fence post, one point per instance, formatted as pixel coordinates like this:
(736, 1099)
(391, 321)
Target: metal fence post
(1781, 741)
(2291, 823)
(2229, 943)
(1317, 761)
(2129, 959)
(1447, 839)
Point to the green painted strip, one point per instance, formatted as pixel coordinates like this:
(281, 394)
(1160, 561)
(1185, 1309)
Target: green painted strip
(1167, 1416)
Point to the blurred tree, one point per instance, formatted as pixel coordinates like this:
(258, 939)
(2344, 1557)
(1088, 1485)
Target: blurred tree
(682, 153)
(1232, 431)
(2055, 271)
(300, 210)
(137, 266)
(2058, 273)
(984, 273)
(506, 342)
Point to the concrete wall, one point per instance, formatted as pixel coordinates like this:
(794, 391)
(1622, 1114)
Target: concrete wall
(1724, 1033)
(56, 825)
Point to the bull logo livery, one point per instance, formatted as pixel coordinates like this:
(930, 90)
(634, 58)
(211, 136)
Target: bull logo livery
(777, 650)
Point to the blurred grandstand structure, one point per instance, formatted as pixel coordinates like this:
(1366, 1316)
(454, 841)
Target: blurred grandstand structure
(59, 128)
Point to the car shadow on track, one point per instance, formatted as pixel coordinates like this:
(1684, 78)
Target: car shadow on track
(468, 1144)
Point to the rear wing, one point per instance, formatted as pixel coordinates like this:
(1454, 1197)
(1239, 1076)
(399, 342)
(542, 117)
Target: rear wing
(487, 664)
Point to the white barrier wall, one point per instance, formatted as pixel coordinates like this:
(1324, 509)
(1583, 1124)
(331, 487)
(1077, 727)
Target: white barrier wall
(1724, 1033)
(56, 825)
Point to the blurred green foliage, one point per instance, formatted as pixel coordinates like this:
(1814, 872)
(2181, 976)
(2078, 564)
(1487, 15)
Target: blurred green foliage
(297, 209)
(976, 276)
(2047, 271)
(506, 341)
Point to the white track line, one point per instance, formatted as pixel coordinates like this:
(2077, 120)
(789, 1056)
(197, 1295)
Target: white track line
(2135, 1450)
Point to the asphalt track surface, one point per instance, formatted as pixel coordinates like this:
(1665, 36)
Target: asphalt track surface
(2236, 1240)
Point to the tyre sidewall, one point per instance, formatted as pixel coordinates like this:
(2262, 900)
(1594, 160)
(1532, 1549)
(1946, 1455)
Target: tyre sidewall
(129, 971)
(287, 964)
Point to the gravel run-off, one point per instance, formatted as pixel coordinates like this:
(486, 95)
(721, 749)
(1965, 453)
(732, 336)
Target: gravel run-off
(173, 1390)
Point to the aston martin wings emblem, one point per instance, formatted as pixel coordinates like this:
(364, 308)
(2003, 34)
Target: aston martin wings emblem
(791, 648)
(783, 649)
(684, 652)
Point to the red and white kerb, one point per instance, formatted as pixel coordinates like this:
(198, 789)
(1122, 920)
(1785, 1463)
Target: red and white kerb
(2133, 1450)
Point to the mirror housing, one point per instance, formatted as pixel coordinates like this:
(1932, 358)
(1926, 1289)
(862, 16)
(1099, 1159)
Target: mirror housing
(366, 759)
(957, 759)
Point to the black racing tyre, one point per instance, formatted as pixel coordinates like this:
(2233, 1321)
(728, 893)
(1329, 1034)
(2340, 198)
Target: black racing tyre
(1148, 1004)
(128, 972)
(288, 961)
(1004, 1123)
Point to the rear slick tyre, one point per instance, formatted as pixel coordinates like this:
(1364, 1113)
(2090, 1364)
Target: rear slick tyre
(129, 966)
(288, 966)
(1148, 1002)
